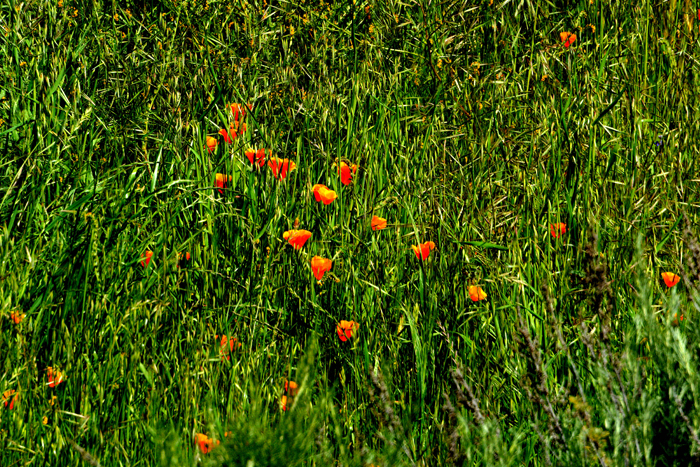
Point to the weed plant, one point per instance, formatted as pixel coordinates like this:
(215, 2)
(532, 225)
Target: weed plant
(154, 312)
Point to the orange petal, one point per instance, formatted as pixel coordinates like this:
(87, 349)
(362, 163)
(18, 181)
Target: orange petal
(224, 133)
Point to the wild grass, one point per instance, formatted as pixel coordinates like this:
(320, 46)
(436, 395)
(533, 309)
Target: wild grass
(473, 127)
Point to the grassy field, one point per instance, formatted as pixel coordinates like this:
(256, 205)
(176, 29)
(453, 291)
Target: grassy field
(155, 311)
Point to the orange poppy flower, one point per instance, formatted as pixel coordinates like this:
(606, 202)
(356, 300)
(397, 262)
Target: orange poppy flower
(227, 349)
(280, 167)
(290, 391)
(239, 110)
(146, 258)
(291, 388)
(228, 137)
(346, 328)
(221, 181)
(237, 129)
(211, 143)
(423, 250)
(476, 293)
(557, 230)
(256, 156)
(205, 443)
(16, 316)
(323, 193)
(319, 266)
(346, 172)
(54, 377)
(378, 223)
(670, 279)
(9, 397)
(567, 38)
(297, 238)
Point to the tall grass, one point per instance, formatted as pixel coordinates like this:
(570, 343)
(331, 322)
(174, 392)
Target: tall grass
(473, 127)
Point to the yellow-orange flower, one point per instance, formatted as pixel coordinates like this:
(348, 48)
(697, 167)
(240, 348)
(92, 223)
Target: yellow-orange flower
(346, 172)
(205, 443)
(557, 230)
(346, 328)
(221, 181)
(319, 266)
(423, 250)
(567, 38)
(280, 167)
(211, 143)
(476, 293)
(16, 316)
(9, 397)
(378, 223)
(670, 279)
(256, 156)
(54, 377)
(297, 238)
(323, 193)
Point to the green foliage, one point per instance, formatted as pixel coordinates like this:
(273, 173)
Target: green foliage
(473, 127)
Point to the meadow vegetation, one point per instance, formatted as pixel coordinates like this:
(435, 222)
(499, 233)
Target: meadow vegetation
(359, 233)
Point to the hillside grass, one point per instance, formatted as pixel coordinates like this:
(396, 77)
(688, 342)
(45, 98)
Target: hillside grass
(473, 127)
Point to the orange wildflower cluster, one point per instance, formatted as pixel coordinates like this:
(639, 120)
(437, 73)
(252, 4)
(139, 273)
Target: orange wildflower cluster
(423, 250)
(205, 443)
(323, 193)
(236, 128)
(567, 38)
(54, 377)
(297, 238)
(16, 316)
(670, 279)
(10, 397)
(345, 329)
(290, 391)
